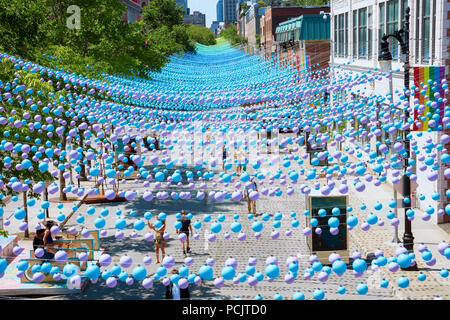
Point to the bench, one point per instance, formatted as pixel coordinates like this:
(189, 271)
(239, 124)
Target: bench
(71, 254)
(94, 234)
(79, 243)
(48, 278)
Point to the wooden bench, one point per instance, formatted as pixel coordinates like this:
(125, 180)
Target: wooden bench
(48, 278)
(94, 234)
(79, 243)
(71, 254)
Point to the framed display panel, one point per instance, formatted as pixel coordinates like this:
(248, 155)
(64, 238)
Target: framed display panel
(325, 243)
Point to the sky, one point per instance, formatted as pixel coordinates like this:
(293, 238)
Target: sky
(207, 7)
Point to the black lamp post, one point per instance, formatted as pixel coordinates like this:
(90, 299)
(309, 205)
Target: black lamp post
(385, 59)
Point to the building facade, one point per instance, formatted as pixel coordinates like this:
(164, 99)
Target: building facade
(304, 42)
(357, 28)
(219, 11)
(275, 15)
(229, 11)
(196, 18)
(133, 9)
(184, 5)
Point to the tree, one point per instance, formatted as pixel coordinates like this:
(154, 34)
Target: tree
(160, 13)
(201, 35)
(230, 33)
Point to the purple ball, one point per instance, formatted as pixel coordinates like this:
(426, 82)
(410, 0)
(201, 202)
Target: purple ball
(105, 260)
(257, 235)
(119, 235)
(38, 277)
(289, 278)
(252, 281)
(242, 236)
(148, 236)
(218, 282)
(111, 282)
(188, 261)
(147, 283)
(322, 276)
(431, 262)
(393, 266)
(183, 283)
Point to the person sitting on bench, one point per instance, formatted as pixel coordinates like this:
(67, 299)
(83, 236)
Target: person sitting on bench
(39, 243)
(48, 240)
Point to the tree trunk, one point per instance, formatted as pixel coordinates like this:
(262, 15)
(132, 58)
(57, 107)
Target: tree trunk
(82, 165)
(46, 199)
(62, 181)
(25, 206)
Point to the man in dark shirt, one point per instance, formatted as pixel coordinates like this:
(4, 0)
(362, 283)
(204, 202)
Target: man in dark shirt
(185, 227)
(38, 242)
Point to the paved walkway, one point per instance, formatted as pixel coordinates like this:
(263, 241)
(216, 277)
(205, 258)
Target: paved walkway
(363, 241)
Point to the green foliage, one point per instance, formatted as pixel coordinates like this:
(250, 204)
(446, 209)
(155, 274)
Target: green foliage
(230, 33)
(160, 13)
(201, 35)
(258, 39)
(3, 233)
(104, 43)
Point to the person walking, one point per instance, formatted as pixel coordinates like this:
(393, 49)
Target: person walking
(224, 158)
(174, 292)
(185, 228)
(160, 243)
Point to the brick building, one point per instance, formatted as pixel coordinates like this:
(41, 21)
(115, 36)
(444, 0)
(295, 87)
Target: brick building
(275, 15)
(304, 42)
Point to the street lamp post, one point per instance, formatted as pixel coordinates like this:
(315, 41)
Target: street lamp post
(385, 57)
(324, 14)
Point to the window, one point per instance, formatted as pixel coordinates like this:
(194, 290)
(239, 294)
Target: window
(336, 35)
(341, 35)
(369, 32)
(393, 25)
(426, 31)
(362, 28)
(382, 19)
(355, 34)
(346, 35)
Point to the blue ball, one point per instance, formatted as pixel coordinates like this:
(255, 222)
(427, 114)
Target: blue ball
(298, 296)
(359, 265)
(319, 294)
(384, 283)
(403, 282)
(341, 290)
(421, 276)
(362, 288)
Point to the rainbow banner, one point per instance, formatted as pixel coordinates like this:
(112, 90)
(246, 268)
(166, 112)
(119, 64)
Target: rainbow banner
(430, 111)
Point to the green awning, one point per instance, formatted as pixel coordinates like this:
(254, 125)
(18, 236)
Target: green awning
(304, 27)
